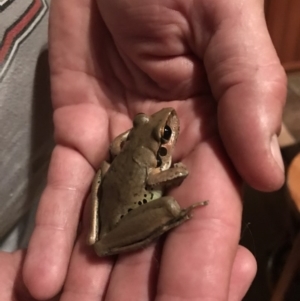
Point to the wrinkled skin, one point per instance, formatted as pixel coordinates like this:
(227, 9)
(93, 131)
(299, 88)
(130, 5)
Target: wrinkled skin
(211, 60)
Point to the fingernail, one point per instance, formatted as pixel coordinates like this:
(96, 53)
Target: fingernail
(275, 149)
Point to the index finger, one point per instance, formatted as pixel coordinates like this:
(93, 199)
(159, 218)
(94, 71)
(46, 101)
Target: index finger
(57, 219)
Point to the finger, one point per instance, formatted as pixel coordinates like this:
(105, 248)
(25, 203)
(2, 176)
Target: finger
(57, 218)
(88, 275)
(243, 273)
(9, 275)
(134, 275)
(12, 286)
(248, 81)
(198, 255)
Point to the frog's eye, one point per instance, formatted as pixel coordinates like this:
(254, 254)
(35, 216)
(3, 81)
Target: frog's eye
(162, 151)
(166, 135)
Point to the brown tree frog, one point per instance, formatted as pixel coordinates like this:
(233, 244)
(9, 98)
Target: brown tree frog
(129, 210)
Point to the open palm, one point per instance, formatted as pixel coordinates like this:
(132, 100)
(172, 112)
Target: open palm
(214, 63)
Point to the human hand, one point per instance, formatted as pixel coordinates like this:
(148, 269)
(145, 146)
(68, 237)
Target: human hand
(12, 286)
(212, 61)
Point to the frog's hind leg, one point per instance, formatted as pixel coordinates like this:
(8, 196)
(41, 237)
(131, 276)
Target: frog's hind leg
(143, 225)
(94, 205)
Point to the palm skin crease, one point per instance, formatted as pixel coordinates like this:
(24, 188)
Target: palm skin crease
(214, 63)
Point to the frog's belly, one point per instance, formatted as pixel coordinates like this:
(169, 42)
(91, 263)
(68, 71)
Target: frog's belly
(152, 195)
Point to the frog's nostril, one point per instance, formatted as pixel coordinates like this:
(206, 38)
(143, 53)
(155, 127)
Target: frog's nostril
(162, 151)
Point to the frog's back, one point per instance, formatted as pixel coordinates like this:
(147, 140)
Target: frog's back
(122, 187)
(125, 173)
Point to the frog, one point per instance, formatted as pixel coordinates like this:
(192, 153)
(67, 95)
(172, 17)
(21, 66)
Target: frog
(129, 208)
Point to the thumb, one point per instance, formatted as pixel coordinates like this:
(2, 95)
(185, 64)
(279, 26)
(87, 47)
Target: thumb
(250, 85)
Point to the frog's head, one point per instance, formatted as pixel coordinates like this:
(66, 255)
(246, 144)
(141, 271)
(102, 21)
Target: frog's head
(158, 133)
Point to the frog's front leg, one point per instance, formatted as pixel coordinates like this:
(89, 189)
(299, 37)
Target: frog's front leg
(117, 144)
(143, 225)
(94, 226)
(170, 177)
